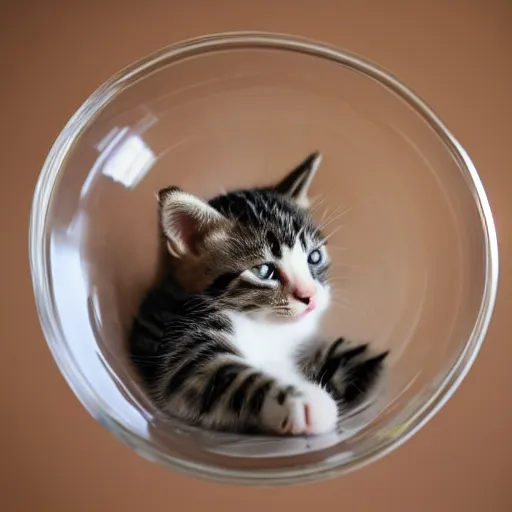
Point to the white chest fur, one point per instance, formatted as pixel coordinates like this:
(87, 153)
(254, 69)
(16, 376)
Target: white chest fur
(272, 347)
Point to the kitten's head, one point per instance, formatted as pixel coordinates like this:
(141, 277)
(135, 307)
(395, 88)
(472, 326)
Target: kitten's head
(257, 251)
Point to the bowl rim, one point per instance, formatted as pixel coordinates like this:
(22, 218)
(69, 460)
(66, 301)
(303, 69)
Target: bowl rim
(39, 252)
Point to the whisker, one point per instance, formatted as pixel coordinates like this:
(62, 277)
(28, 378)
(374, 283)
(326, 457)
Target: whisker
(334, 215)
(316, 203)
(329, 221)
(343, 305)
(327, 215)
(343, 297)
(324, 214)
(332, 233)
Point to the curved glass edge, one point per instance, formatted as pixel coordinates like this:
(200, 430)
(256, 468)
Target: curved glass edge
(38, 248)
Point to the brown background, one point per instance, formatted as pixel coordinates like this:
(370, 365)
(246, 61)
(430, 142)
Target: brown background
(456, 54)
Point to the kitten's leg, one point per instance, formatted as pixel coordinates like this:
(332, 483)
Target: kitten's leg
(348, 372)
(225, 393)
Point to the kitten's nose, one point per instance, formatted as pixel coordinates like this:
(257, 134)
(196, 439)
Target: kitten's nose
(304, 300)
(305, 295)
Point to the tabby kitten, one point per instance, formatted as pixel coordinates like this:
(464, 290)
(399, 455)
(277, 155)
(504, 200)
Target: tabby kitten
(227, 340)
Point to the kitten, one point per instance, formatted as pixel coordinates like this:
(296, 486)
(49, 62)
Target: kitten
(227, 340)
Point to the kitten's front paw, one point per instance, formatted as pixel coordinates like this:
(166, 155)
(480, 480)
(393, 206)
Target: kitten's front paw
(352, 372)
(289, 411)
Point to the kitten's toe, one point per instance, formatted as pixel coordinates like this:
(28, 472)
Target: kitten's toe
(296, 421)
(285, 412)
(322, 410)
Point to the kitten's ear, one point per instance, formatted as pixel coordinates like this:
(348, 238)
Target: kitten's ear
(297, 183)
(186, 221)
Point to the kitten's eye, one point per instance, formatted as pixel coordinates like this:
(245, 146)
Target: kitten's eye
(265, 271)
(315, 257)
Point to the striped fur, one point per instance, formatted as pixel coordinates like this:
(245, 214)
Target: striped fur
(227, 340)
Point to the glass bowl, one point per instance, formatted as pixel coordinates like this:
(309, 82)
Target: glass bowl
(415, 251)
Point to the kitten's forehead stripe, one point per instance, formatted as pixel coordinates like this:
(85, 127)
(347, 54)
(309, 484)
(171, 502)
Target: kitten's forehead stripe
(222, 282)
(252, 205)
(303, 242)
(275, 246)
(263, 209)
